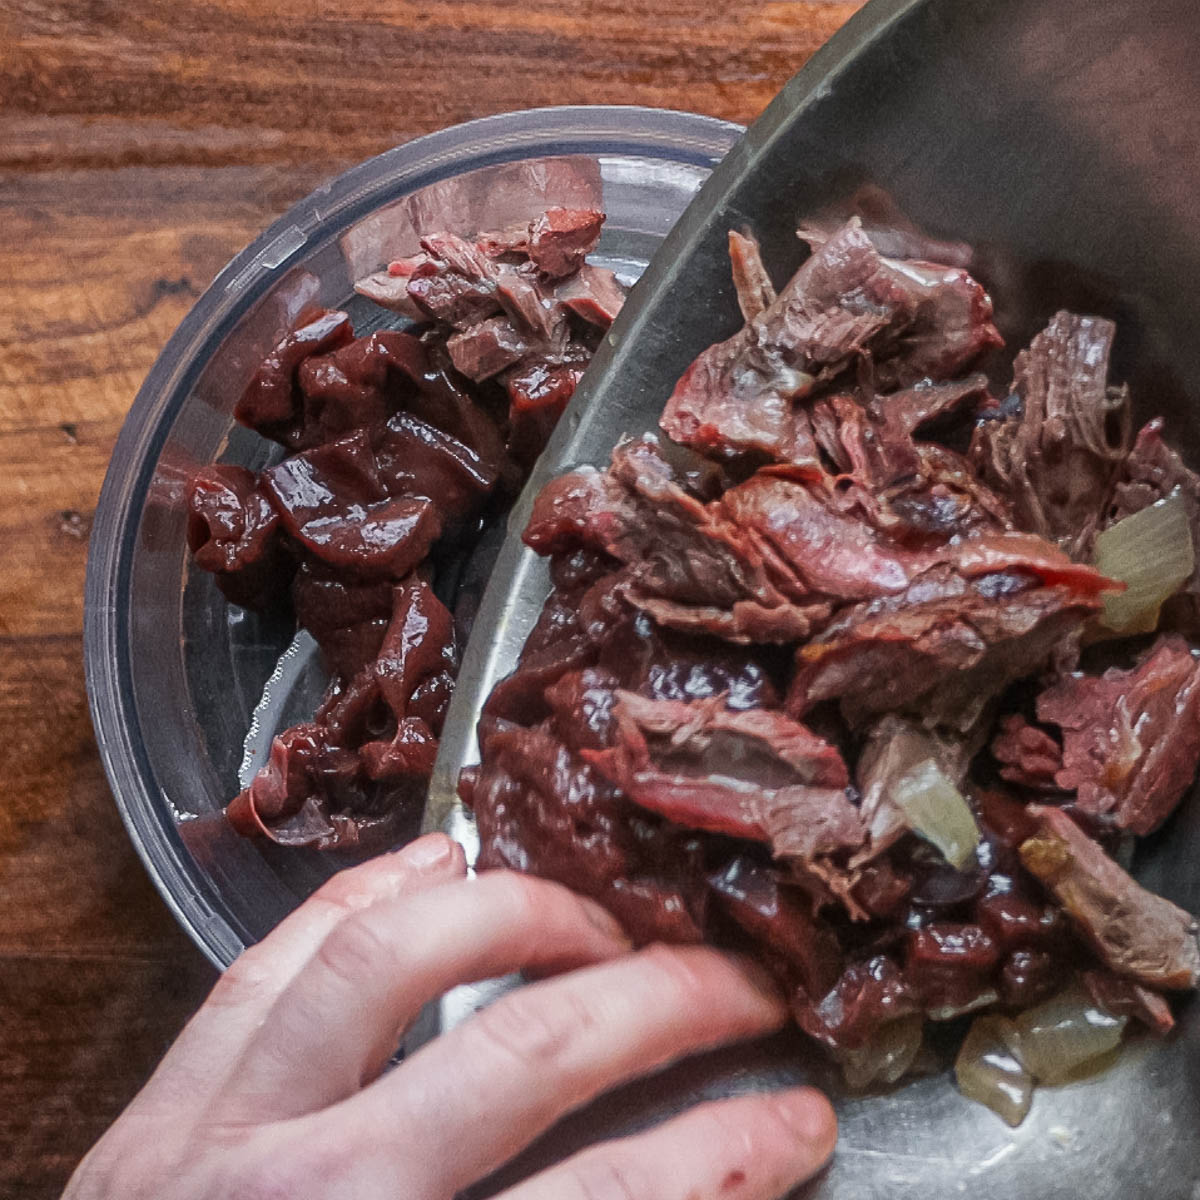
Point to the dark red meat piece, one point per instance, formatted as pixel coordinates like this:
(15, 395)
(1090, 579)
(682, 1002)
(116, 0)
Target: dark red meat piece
(781, 922)
(234, 532)
(348, 618)
(1027, 977)
(541, 809)
(755, 291)
(487, 348)
(272, 400)
(945, 945)
(1131, 739)
(333, 501)
(414, 459)
(592, 294)
(350, 777)
(357, 386)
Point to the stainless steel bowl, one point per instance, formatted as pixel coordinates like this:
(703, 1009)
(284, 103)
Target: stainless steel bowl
(1060, 140)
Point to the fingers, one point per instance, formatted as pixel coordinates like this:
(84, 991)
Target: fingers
(206, 1050)
(334, 1027)
(751, 1148)
(511, 1071)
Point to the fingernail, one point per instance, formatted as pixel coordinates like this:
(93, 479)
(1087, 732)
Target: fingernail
(429, 853)
(809, 1114)
(604, 921)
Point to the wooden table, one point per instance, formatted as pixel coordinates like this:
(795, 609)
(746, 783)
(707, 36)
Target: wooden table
(142, 145)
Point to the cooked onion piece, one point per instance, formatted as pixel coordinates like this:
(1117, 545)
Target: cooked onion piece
(988, 1071)
(1152, 553)
(937, 810)
(886, 1058)
(1057, 1038)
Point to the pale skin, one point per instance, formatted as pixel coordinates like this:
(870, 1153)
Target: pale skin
(276, 1090)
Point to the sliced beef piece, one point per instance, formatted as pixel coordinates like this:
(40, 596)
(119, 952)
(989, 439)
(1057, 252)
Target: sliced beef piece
(873, 437)
(234, 532)
(1137, 934)
(779, 919)
(951, 322)
(1152, 472)
(1131, 739)
(1059, 458)
(754, 774)
(453, 282)
(389, 289)
(685, 565)
(741, 394)
(561, 238)
(950, 327)
(542, 810)
(843, 544)
(1028, 756)
(755, 291)
(926, 402)
(941, 649)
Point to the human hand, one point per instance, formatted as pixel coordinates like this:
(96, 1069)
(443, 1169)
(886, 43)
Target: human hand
(275, 1090)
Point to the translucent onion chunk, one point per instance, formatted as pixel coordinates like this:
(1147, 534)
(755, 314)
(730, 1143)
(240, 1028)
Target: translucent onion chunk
(937, 810)
(1057, 1038)
(987, 1070)
(1153, 554)
(887, 1056)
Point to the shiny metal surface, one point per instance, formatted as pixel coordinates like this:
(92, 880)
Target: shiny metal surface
(1061, 140)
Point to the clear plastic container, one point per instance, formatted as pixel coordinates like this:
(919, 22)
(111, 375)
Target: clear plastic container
(176, 676)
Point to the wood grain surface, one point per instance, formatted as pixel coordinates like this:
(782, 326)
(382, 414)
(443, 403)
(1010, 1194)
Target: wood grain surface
(141, 145)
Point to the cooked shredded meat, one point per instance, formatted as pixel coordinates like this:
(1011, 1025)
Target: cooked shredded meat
(793, 640)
